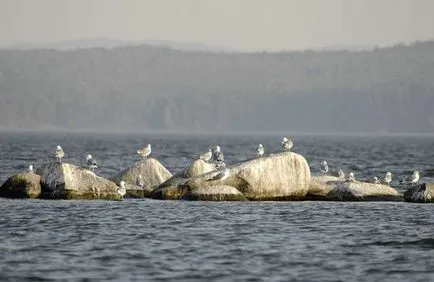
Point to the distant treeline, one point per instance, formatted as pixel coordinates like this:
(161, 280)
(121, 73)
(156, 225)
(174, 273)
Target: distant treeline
(146, 88)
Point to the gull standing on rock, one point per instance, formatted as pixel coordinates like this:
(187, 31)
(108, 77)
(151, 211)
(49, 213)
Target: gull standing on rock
(91, 163)
(287, 144)
(415, 178)
(260, 150)
(341, 174)
(324, 167)
(388, 178)
(375, 180)
(121, 190)
(218, 156)
(221, 175)
(59, 154)
(206, 156)
(351, 177)
(145, 151)
(30, 170)
(140, 182)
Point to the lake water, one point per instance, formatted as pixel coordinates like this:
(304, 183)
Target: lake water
(145, 239)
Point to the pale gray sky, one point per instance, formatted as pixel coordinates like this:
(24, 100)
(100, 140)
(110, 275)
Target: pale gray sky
(239, 24)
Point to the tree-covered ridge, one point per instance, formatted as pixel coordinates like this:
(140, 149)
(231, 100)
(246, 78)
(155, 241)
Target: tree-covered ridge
(156, 88)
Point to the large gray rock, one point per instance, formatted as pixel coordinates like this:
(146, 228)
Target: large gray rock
(22, 185)
(198, 167)
(215, 193)
(422, 193)
(330, 188)
(283, 176)
(67, 181)
(152, 171)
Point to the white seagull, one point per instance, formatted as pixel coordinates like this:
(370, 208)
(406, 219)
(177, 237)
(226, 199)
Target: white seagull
(59, 154)
(388, 178)
(140, 182)
(221, 175)
(91, 163)
(341, 174)
(351, 177)
(30, 170)
(122, 190)
(260, 150)
(145, 151)
(324, 167)
(375, 180)
(287, 144)
(415, 178)
(218, 156)
(206, 156)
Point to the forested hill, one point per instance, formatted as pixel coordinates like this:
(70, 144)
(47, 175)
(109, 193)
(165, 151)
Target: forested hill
(146, 88)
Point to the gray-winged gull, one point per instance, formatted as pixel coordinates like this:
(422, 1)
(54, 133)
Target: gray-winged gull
(260, 150)
(287, 144)
(59, 154)
(145, 151)
(324, 167)
(91, 163)
(388, 178)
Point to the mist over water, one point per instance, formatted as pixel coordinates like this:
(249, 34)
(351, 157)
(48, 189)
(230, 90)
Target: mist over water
(147, 239)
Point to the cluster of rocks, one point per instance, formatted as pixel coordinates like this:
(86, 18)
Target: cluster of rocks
(281, 176)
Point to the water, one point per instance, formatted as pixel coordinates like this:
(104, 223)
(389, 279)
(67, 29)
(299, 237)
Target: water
(255, 241)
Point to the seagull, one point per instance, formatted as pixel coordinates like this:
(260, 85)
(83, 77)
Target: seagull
(122, 190)
(287, 144)
(341, 174)
(324, 167)
(351, 177)
(59, 154)
(415, 177)
(30, 170)
(145, 151)
(206, 156)
(218, 156)
(91, 163)
(221, 175)
(388, 178)
(375, 180)
(260, 150)
(139, 181)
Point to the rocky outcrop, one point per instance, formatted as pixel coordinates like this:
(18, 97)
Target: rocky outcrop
(330, 188)
(22, 185)
(134, 191)
(422, 193)
(198, 167)
(215, 193)
(283, 176)
(67, 181)
(152, 171)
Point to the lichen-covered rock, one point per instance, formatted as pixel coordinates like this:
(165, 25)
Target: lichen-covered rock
(67, 181)
(362, 191)
(22, 185)
(283, 176)
(422, 193)
(198, 167)
(152, 171)
(215, 193)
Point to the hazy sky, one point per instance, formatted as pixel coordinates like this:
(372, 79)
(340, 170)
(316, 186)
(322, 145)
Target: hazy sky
(239, 24)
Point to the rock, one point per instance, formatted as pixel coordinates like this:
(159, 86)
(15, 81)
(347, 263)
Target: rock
(152, 171)
(67, 181)
(198, 167)
(341, 190)
(422, 193)
(283, 176)
(134, 191)
(320, 186)
(215, 193)
(22, 185)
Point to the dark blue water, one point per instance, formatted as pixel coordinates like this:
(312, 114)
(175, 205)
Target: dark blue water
(253, 241)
